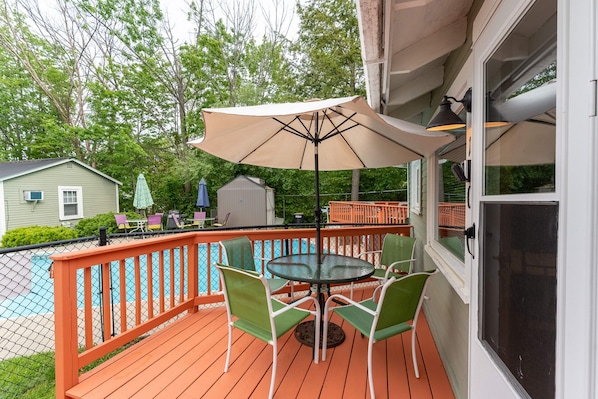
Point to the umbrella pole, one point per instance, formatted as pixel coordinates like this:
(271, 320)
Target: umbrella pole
(318, 210)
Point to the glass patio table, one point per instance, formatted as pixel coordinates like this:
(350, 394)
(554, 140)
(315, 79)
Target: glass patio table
(331, 269)
(140, 224)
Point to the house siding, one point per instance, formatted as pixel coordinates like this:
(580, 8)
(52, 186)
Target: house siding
(446, 313)
(99, 195)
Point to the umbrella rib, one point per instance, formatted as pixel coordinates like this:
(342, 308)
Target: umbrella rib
(285, 128)
(336, 131)
(288, 128)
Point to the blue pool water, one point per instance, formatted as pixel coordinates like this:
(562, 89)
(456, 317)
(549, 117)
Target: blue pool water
(39, 296)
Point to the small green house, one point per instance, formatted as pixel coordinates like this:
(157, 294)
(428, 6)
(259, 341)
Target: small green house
(53, 192)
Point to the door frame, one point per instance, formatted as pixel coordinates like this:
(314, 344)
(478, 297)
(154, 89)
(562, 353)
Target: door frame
(487, 378)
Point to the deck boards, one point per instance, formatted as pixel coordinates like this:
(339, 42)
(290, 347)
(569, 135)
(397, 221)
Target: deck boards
(186, 360)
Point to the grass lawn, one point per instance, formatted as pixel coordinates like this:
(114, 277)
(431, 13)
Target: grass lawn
(28, 377)
(33, 377)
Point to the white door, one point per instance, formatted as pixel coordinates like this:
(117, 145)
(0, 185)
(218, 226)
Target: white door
(516, 205)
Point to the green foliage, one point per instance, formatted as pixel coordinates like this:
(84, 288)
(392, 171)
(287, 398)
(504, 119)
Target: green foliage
(519, 179)
(36, 235)
(454, 190)
(129, 100)
(329, 58)
(89, 227)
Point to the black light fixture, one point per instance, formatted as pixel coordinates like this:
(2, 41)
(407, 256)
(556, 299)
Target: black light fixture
(446, 119)
(493, 117)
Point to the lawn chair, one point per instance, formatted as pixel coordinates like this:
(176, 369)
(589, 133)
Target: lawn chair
(238, 252)
(199, 219)
(154, 222)
(122, 223)
(177, 222)
(380, 318)
(223, 223)
(396, 257)
(251, 308)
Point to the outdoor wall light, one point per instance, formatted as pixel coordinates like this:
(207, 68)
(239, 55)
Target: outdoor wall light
(446, 119)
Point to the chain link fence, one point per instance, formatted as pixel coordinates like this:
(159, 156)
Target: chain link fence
(27, 310)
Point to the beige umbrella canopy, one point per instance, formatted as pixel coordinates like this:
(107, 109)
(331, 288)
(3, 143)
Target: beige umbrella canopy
(529, 142)
(530, 137)
(334, 134)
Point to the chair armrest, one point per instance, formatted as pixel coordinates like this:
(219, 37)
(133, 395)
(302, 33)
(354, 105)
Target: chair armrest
(401, 261)
(296, 303)
(349, 302)
(390, 267)
(359, 255)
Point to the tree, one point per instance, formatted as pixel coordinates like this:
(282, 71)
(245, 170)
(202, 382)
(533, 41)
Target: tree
(329, 55)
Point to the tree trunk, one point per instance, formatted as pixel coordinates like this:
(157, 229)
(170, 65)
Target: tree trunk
(355, 185)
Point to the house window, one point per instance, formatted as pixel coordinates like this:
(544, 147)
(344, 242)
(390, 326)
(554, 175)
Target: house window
(70, 202)
(451, 198)
(415, 179)
(448, 204)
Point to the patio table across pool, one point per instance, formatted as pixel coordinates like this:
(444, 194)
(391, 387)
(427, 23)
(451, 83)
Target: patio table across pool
(330, 269)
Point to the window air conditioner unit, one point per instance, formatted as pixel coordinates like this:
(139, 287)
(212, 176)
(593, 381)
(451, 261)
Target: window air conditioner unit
(34, 195)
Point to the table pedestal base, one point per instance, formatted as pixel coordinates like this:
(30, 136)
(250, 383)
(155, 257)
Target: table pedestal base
(304, 333)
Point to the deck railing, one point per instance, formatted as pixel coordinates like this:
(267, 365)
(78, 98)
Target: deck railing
(172, 275)
(451, 214)
(367, 212)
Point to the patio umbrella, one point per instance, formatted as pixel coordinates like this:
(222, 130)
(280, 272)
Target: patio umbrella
(530, 137)
(143, 197)
(202, 195)
(346, 132)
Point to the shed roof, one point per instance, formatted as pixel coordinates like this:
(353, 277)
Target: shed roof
(14, 169)
(242, 178)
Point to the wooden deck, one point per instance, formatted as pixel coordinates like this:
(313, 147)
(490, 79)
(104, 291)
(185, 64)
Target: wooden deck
(186, 360)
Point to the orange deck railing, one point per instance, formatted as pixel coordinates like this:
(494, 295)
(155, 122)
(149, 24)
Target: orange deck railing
(367, 212)
(115, 281)
(451, 214)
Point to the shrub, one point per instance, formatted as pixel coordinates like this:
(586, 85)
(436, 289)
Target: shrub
(91, 226)
(36, 235)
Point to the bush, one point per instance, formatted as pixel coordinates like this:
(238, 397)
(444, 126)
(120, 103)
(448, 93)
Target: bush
(36, 235)
(91, 226)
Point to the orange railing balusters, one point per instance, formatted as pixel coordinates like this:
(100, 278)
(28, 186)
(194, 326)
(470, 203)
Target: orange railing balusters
(122, 292)
(150, 285)
(106, 301)
(162, 283)
(367, 212)
(137, 291)
(88, 308)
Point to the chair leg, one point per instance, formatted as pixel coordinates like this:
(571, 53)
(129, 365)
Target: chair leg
(413, 338)
(370, 370)
(317, 334)
(230, 344)
(274, 357)
(324, 332)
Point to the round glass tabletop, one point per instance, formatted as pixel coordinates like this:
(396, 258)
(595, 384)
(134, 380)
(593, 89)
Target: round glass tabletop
(331, 269)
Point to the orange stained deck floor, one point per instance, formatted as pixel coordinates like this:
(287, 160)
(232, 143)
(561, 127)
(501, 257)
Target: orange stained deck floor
(186, 360)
